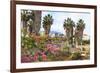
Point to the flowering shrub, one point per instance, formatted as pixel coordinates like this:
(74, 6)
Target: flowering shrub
(52, 48)
(26, 58)
(40, 56)
(44, 57)
(27, 42)
(35, 57)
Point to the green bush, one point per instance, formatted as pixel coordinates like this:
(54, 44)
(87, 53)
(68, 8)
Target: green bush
(66, 48)
(27, 42)
(84, 42)
(76, 56)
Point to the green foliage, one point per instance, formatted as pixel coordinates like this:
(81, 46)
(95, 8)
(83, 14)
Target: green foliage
(47, 22)
(79, 30)
(32, 52)
(28, 42)
(84, 42)
(26, 15)
(50, 56)
(40, 58)
(68, 26)
(76, 56)
(41, 45)
(80, 24)
(66, 48)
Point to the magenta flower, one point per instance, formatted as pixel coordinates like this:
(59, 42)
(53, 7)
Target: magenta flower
(44, 57)
(52, 48)
(35, 58)
(25, 58)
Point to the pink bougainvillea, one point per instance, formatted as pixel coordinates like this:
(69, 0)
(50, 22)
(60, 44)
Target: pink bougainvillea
(25, 58)
(44, 57)
(52, 48)
(35, 57)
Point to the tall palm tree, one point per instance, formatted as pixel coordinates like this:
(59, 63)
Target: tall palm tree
(29, 25)
(79, 31)
(24, 18)
(47, 22)
(31, 19)
(37, 21)
(68, 26)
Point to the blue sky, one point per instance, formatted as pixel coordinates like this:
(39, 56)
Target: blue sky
(59, 18)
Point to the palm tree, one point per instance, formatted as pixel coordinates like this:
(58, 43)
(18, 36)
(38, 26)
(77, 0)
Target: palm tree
(37, 21)
(29, 25)
(24, 17)
(47, 22)
(31, 20)
(79, 31)
(68, 26)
